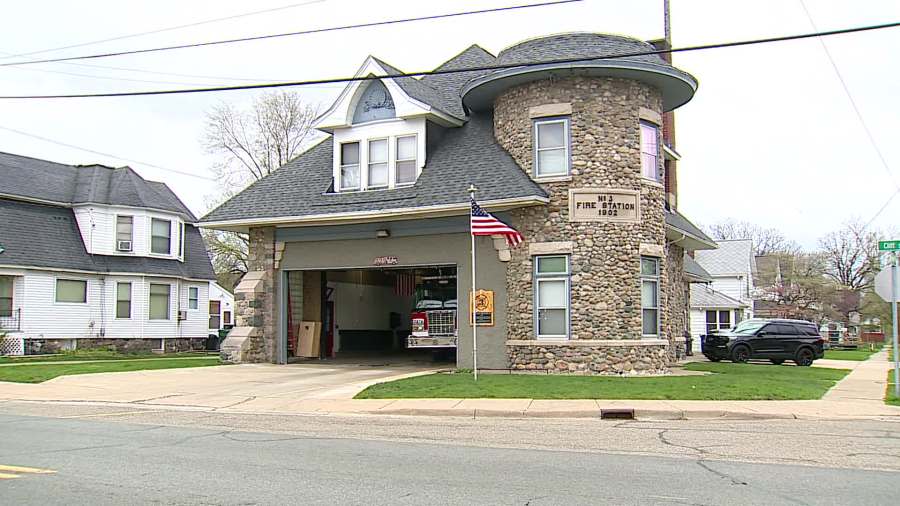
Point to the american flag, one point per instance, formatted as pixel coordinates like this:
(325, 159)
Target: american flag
(484, 223)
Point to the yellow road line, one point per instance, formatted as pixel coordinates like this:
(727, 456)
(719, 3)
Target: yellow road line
(19, 469)
(5, 476)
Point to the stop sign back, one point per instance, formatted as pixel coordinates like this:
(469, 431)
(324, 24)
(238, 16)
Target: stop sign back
(883, 285)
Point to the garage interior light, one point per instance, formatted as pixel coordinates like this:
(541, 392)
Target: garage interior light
(382, 233)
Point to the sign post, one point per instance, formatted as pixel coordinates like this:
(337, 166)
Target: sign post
(895, 247)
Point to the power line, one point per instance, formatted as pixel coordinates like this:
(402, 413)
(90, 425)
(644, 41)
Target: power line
(464, 69)
(87, 150)
(161, 30)
(288, 34)
(859, 115)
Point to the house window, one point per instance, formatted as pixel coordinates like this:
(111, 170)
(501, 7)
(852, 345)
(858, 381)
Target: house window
(181, 240)
(375, 103)
(215, 320)
(193, 297)
(71, 291)
(378, 163)
(650, 151)
(124, 233)
(123, 300)
(650, 296)
(350, 166)
(551, 142)
(551, 293)
(226, 317)
(160, 236)
(406, 160)
(717, 320)
(159, 301)
(6, 296)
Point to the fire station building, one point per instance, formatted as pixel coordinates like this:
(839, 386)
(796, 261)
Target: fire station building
(361, 244)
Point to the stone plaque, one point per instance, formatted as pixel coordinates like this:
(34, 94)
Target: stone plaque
(604, 204)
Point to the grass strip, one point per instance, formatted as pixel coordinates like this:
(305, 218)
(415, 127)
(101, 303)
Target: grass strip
(726, 382)
(38, 373)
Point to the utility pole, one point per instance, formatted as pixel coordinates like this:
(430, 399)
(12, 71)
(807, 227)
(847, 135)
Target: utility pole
(896, 350)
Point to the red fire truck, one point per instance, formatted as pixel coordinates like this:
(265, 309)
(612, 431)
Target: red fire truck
(433, 320)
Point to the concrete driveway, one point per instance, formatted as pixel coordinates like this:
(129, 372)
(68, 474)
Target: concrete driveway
(264, 387)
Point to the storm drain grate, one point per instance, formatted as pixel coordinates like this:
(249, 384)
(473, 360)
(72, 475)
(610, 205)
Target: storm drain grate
(617, 414)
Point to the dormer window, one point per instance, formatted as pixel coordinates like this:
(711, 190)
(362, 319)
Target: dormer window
(350, 166)
(378, 163)
(124, 233)
(374, 104)
(160, 236)
(406, 159)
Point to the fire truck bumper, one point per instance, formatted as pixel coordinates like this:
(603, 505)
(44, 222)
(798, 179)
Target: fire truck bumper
(431, 342)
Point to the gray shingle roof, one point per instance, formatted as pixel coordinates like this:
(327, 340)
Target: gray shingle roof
(731, 257)
(37, 235)
(95, 184)
(695, 270)
(702, 296)
(418, 89)
(574, 45)
(457, 157)
(679, 221)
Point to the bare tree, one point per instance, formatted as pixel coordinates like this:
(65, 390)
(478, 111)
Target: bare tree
(766, 241)
(252, 144)
(851, 256)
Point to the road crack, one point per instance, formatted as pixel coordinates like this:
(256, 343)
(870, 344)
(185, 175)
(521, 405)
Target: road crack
(701, 461)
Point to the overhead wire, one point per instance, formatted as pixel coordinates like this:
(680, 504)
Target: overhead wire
(396, 75)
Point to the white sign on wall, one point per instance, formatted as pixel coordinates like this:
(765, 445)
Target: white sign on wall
(604, 204)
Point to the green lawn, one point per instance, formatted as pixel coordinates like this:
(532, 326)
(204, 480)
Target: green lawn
(728, 382)
(93, 355)
(862, 353)
(889, 396)
(26, 373)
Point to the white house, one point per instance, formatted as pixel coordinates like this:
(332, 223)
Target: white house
(221, 308)
(97, 256)
(724, 298)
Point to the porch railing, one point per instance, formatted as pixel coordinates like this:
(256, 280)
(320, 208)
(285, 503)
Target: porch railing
(11, 321)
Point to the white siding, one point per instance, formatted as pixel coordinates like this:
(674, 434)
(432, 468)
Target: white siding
(43, 317)
(730, 286)
(698, 326)
(226, 299)
(97, 225)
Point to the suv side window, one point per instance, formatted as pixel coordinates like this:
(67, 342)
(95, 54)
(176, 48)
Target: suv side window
(808, 330)
(785, 329)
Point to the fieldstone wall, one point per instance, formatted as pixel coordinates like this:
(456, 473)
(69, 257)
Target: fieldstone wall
(172, 345)
(678, 299)
(254, 335)
(599, 359)
(605, 259)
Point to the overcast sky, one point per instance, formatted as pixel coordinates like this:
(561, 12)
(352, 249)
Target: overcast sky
(770, 136)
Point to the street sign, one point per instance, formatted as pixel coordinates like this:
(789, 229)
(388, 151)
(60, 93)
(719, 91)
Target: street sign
(888, 245)
(883, 284)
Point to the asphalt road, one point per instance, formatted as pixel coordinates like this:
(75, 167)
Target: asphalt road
(104, 455)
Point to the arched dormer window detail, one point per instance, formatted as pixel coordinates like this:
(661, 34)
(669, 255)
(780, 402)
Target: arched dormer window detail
(374, 104)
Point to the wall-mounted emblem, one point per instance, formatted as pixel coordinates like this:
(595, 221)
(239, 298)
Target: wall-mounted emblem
(382, 261)
(604, 204)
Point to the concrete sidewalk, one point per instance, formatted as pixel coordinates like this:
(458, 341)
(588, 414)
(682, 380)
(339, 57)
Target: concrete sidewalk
(329, 389)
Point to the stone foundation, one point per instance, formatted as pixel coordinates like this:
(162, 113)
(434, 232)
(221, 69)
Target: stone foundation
(173, 345)
(606, 357)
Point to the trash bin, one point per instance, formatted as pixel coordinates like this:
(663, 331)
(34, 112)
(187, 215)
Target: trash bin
(688, 344)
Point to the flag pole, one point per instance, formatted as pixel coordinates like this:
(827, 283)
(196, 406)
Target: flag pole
(472, 190)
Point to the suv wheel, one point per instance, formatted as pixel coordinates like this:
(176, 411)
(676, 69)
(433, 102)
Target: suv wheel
(740, 353)
(805, 357)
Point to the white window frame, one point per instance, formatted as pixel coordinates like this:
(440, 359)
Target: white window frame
(656, 157)
(386, 162)
(87, 290)
(181, 229)
(397, 160)
(196, 299)
(169, 221)
(539, 278)
(12, 295)
(567, 147)
(116, 233)
(168, 305)
(341, 165)
(655, 279)
(130, 301)
(718, 323)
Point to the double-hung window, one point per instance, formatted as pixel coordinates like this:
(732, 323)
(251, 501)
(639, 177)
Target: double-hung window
(71, 291)
(551, 147)
(159, 301)
(160, 236)
(551, 293)
(650, 296)
(350, 166)
(406, 160)
(650, 151)
(717, 320)
(378, 163)
(193, 297)
(215, 318)
(124, 233)
(123, 300)
(6, 296)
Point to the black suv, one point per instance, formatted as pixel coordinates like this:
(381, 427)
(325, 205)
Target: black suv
(774, 339)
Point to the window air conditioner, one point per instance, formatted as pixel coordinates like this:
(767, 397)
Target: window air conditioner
(182, 315)
(123, 245)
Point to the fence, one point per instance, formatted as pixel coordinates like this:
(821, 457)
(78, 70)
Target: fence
(11, 322)
(12, 345)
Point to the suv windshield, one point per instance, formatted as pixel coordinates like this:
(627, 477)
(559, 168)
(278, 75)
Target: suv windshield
(747, 327)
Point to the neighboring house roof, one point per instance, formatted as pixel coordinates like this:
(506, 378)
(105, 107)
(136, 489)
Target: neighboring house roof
(694, 271)
(462, 156)
(686, 232)
(702, 296)
(30, 178)
(730, 258)
(38, 235)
